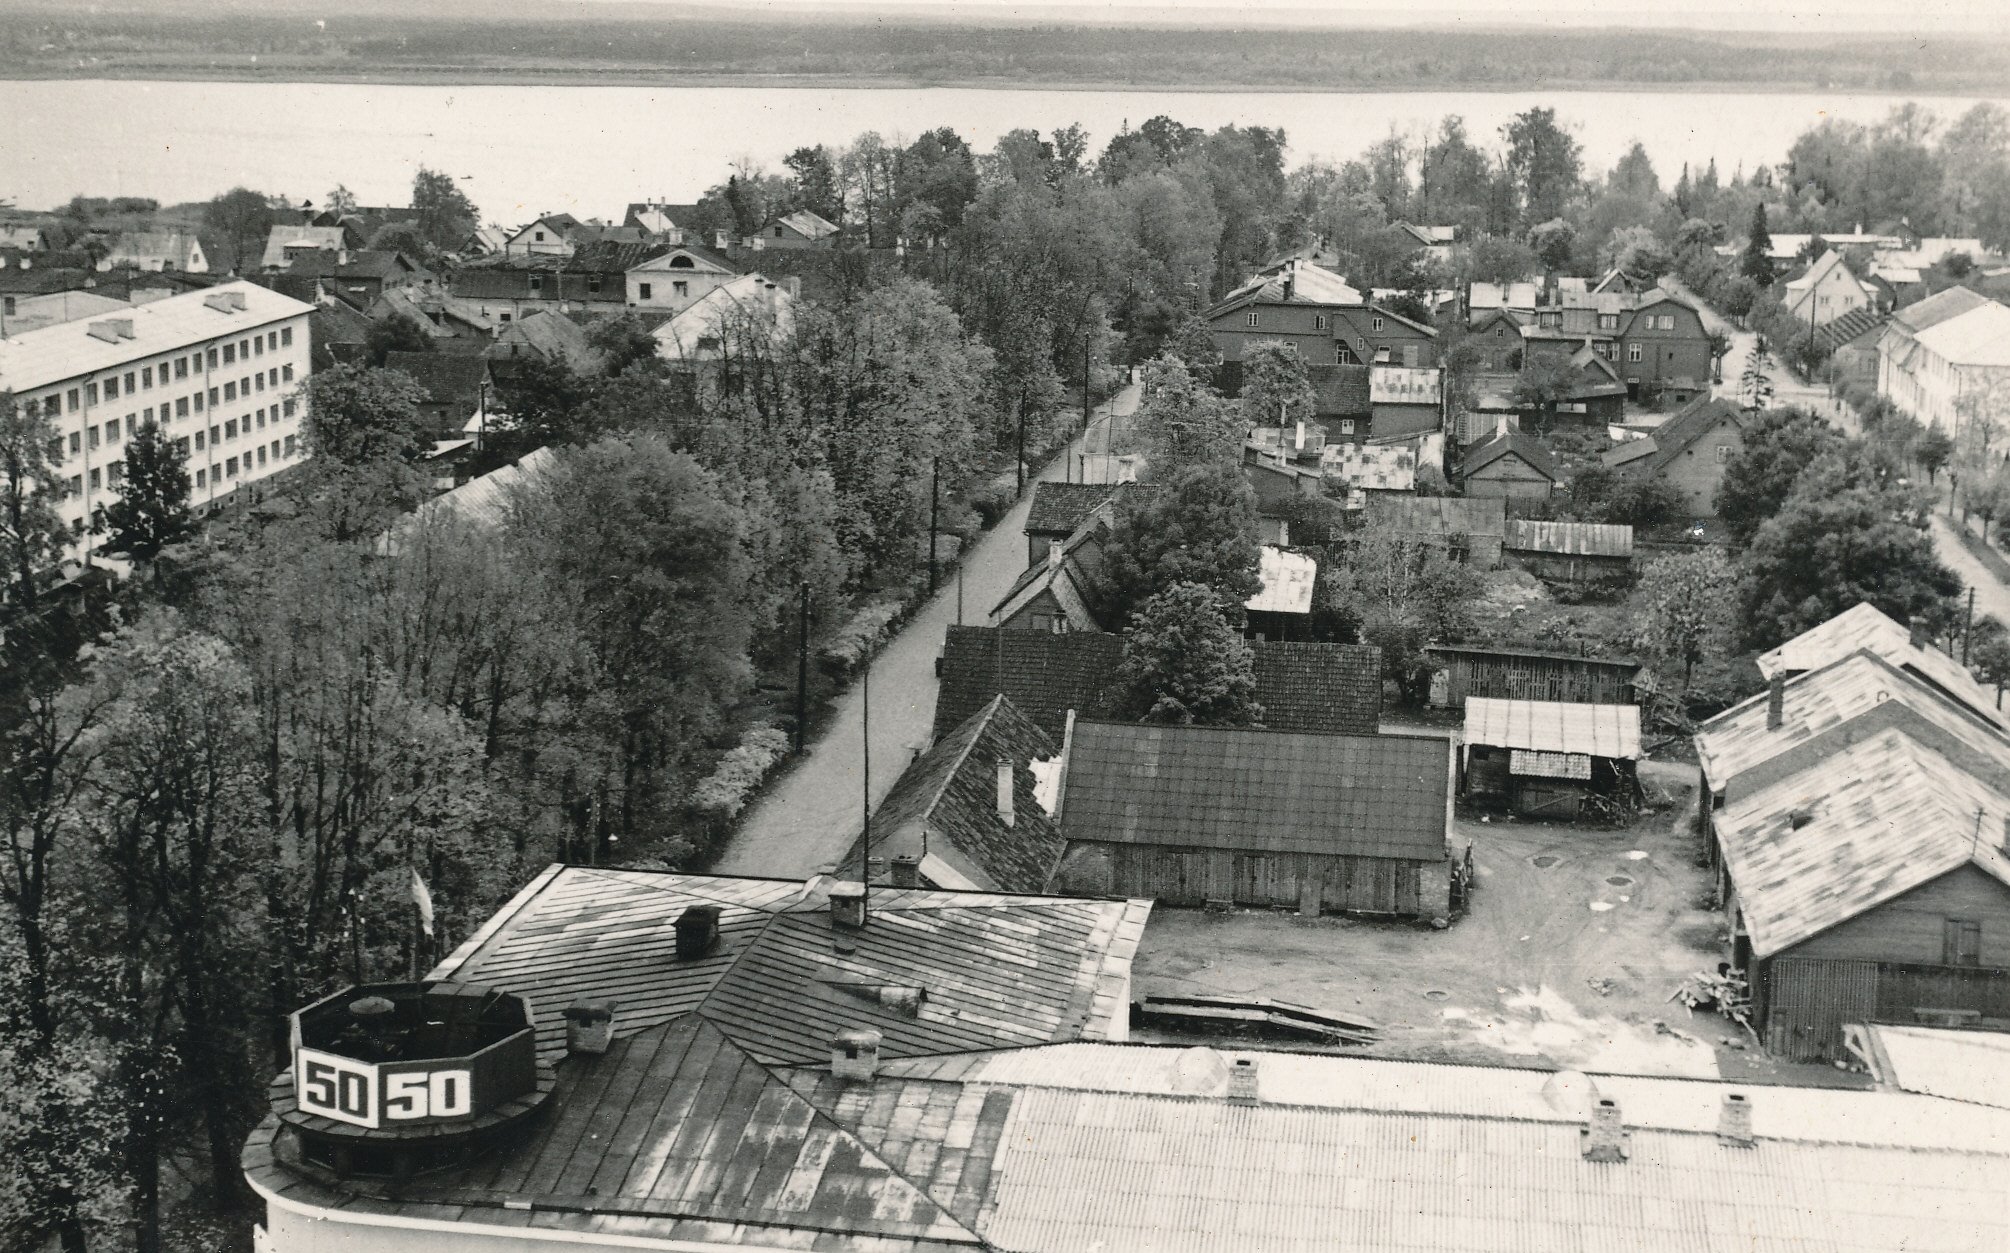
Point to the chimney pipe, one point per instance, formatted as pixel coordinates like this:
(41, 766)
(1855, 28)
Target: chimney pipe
(1005, 789)
(589, 1027)
(1242, 1081)
(1776, 702)
(855, 1055)
(1734, 1121)
(1605, 1135)
(1918, 634)
(697, 932)
(848, 905)
(907, 872)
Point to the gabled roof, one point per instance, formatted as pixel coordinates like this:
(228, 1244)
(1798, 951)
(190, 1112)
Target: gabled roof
(945, 807)
(664, 259)
(1342, 391)
(172, 246)
(1691, 423)
(1385, 312)
(1864, 626)
(292, 238)
(1937, 308)
(1979, 337)
(1511, 443)
(1257, 790)
(1863, 827)
(546, 334)
(1301, 686)
(1061, 508)
(447, 378)
(1439, 515)
(1552, 726)
(1519, 295)
(1583, 539)
(1306, 284)
(1823, 266)
(808, 224)
(753, 296)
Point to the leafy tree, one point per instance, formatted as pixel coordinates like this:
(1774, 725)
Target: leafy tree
(1989, 649)
(339, 201)
(1184, 664)
(358, 415)
(1688, 607)
(1777, 444)
(1276, 389)
(445, 214)
(1758, 260)
(397, 333)
(32, 536)
(1499, 259)
(1552, 243)
(1198, 527)
(402, 237)
(240, 220)
(815, 180)
(1844, 536)
(1182, 422)
(1546, 381)
(1545, 162)
(1639, 256)
(151, 511)
(1193, 343)
(624, 342)
(1402, 594)
(546, 402)
(1932, 450)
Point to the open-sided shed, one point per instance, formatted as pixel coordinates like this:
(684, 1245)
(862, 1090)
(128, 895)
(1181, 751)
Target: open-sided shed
(1549, 758)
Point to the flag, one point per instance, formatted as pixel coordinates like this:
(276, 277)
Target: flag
(424, 900)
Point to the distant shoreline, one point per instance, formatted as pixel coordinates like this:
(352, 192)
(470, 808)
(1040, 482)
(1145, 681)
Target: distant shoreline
(630, 77)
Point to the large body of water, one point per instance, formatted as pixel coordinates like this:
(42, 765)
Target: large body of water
(589, 150)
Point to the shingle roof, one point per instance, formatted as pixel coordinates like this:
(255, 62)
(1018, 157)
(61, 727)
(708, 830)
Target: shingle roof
(1439, 515)
(1257, 790)
(1864, 626)
(1341, 391)
(1586, 539)
(1061, 508)
(945, 806)
(1862, 692)
(446, 377)
(1690, 423)
(1868, 824)
(1301, 686)
(1519, 445)
(999, 970)
(1551, 726)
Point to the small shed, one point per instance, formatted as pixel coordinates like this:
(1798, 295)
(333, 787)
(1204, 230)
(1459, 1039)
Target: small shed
(1282, 606)
(1571, 552)
(1512, 467)
(1468, 670)
(1190, 815)
(1471, 529)
(1549, 758)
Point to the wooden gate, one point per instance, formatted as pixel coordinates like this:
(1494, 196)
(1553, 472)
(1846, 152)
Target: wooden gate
(1810, 1000)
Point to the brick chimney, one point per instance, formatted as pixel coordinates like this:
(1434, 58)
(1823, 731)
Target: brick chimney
(1604, 1137)
(848, 905)
(855, 1055)
(1006, 814)
(1242, 1081)
(1776, 702)
(697, 932)
(1734, 1121)
(906, 872)
(1917, 632)
(589, 1027)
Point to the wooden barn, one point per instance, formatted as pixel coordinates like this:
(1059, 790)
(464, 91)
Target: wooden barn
(1319, 823)
(1571, 552)
(1464, 671)
(1471, 529)
(1549, 759)
(1873, 887)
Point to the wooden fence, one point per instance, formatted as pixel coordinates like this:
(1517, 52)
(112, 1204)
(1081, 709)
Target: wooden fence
(1809, 999)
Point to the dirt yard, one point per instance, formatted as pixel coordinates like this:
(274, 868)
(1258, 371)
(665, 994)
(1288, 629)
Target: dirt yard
(1575, 940)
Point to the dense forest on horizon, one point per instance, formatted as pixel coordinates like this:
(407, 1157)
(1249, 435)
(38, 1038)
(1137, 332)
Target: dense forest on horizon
(292, 45)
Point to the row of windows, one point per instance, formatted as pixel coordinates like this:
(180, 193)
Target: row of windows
(132, 382)
(274, 452)
(111, 430)
(1254, 318)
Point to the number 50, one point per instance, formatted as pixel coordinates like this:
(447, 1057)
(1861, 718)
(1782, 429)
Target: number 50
(441, 1094)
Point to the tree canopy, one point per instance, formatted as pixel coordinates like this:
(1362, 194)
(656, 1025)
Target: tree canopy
(1183, 662)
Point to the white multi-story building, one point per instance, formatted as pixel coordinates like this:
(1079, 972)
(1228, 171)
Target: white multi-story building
(1946, 360)
(219, 371)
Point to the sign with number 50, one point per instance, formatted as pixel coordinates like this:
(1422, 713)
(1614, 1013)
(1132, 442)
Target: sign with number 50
(432, 1094)
(367, 1095)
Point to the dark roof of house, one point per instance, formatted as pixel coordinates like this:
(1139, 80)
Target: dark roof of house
(1438, 515)
(1518, 444)
(1257, 790)
(363, 263)
(1302, 686)
(1340, 390)
(1397, 420)
(945, 805)
(1061, 508)
(446, 378)
(1851, 325)
(547, 334)
(1391, 314)
(598, 257)
(1692, 422)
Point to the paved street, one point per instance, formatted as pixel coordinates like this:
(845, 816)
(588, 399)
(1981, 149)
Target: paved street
(808, 820)
(1786, 389)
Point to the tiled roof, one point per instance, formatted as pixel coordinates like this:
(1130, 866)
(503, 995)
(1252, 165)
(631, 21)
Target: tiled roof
(1341, 391)
(1439, 515)
(1552, 726)
(1257, 790)
(446, 378)
(1301, 686)
(945, 806)
(1061, 508)
(1863, 827)
(1864, 626)
(1519, 445)
(1585, 539)
(1862, 692)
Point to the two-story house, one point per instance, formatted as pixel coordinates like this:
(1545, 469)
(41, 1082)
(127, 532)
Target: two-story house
(1317, 312)
(1827, 291)
(678, 278)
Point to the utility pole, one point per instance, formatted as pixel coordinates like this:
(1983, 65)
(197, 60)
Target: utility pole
(959, 593)
(934, 505)
(1020, 464)
(1967, 626)
(865, 777)
(802, 664)
(1085, 400)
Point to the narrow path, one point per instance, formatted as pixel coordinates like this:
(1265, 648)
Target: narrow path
(808, 820)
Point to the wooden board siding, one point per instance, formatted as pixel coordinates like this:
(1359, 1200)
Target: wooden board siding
(1909, 928)
(1571, 567)
(1534, 678)
(1807, 1001)
(1191, 877)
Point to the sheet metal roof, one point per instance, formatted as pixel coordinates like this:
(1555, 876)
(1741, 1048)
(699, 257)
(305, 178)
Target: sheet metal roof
(1921, 315)
(1585, 539)
(1979, 337)
(1864, 626)
(1529, 763)
(1863, 689)
(1308, 285)
(1371, 467)
(1866, 825)
(1439, 515)
(1971, 1066)
(1287, 582)
(1554, 726)
(1258, 790)
(479, 504)
(67, 350)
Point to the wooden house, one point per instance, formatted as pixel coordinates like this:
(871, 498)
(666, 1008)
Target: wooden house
(1571, 552)
(1467, 670)
(1190, 815)
(1864, 626)
(1473, 529)
(1549, 759)
(1689, 450)
(1511, 467)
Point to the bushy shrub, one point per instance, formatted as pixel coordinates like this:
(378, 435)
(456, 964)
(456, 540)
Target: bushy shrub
(854, 641)
(725, 792)
(994, 499)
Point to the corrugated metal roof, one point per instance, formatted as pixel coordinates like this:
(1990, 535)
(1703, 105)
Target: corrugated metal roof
(1858, 687)
(1287, 582)
(1439, 515)
(1585, 539)
(1554, 726)
(1262, 791)
(1863, 626)
(1531, 764)
(1864, 826)
(66, 350)
(1969, 1066)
